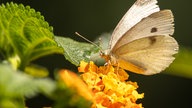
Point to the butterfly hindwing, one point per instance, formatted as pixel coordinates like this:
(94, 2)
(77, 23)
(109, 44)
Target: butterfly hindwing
(152, 54)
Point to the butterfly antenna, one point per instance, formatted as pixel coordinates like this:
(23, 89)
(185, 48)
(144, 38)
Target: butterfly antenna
(87, 39)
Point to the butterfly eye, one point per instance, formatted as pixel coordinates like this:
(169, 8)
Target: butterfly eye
(104, 53)
(101, 53)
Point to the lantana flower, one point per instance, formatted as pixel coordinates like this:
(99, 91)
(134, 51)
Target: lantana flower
(106, 86)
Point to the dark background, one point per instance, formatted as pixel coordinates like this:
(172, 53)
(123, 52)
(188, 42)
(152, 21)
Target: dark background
(94, 17)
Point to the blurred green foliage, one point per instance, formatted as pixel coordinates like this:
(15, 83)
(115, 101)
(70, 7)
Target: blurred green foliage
(182, 66)
(24, 37)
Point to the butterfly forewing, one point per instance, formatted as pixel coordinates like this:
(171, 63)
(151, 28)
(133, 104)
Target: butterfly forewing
(139, 10)
(159, 23)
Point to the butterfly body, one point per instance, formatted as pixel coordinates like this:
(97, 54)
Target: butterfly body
(142, 41)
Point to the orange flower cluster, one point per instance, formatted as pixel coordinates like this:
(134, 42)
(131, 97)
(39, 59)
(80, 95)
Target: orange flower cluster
(109, 86)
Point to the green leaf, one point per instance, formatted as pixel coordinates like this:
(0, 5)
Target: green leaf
(182, 66)
(25, 34)
(76, 51)
(15, 85)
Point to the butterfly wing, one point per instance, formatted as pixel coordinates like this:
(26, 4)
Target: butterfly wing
(148, 55)
(159, 23)
(148, 44)
(139, 10)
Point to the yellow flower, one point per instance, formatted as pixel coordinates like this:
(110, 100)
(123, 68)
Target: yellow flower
(109, 86)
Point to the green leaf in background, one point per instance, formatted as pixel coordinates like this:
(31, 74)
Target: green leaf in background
(182, 66)
(76, 51)
(24, 35)
(14, 85)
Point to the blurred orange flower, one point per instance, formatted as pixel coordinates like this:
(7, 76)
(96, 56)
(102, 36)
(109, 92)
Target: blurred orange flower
(74, 82)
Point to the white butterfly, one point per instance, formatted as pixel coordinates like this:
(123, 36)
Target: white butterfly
(142, 41)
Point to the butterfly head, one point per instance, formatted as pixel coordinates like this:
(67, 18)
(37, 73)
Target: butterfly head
(105, 54)
(108, 56)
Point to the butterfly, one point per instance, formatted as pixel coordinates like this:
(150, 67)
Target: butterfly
(141, 41)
